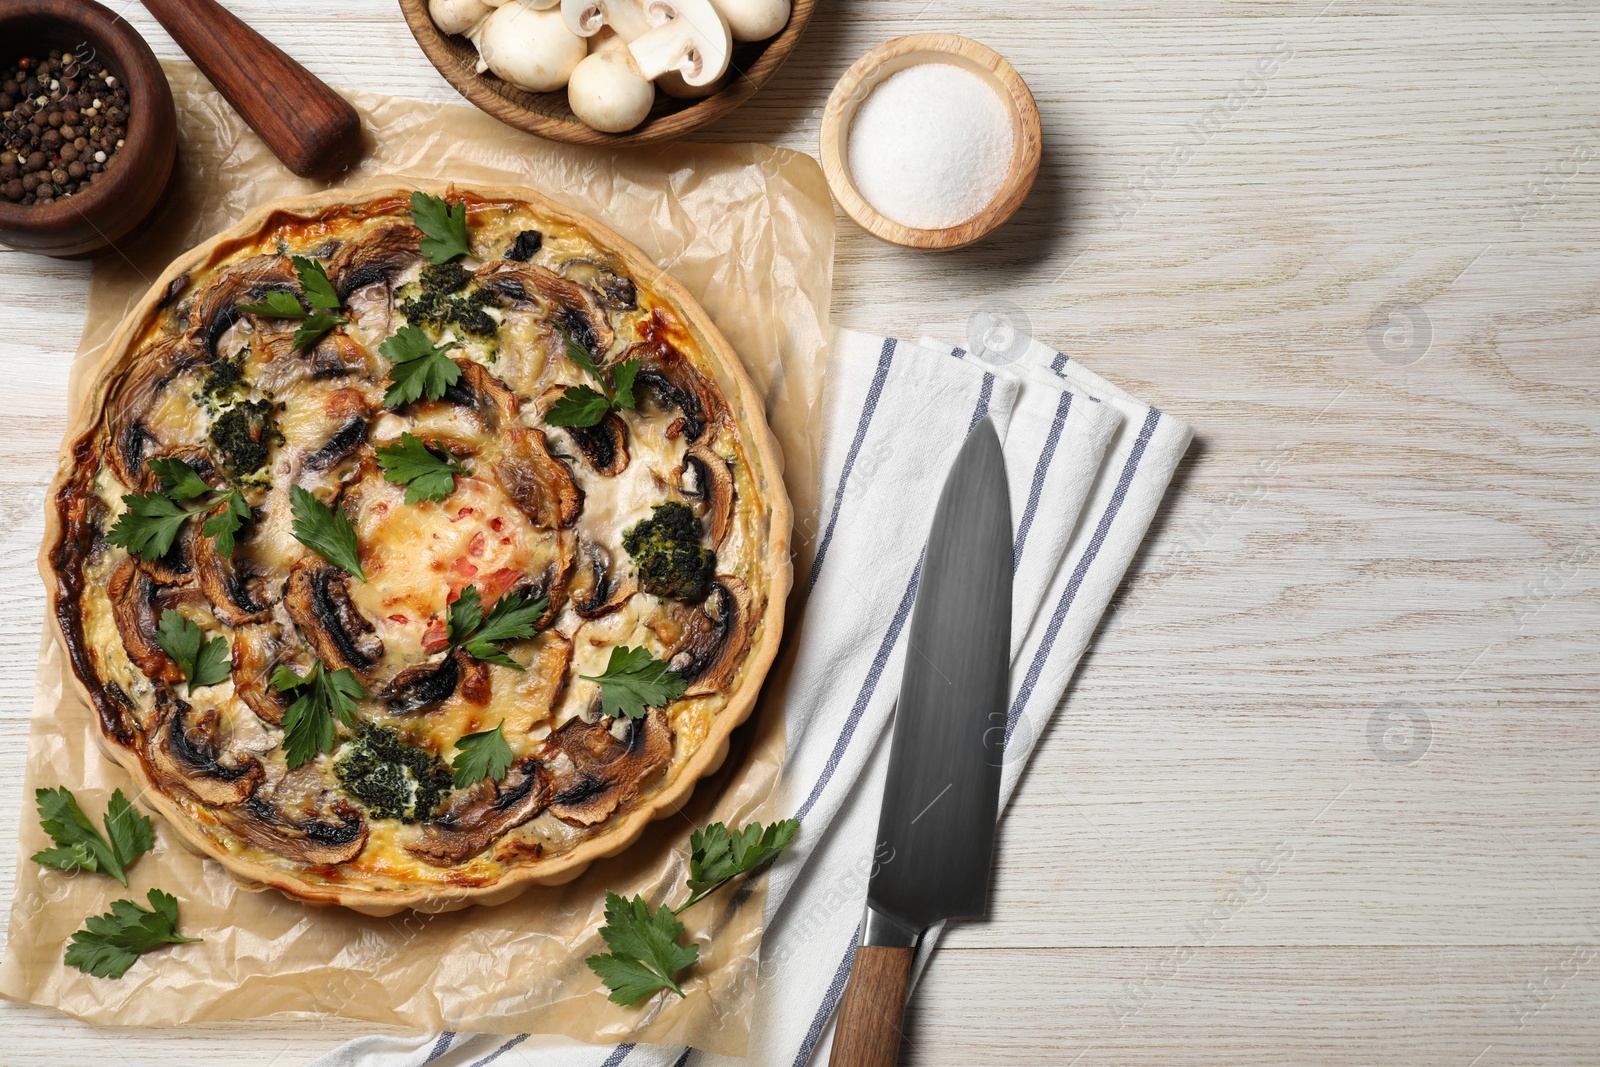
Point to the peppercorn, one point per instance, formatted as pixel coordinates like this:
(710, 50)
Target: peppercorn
(62, 117)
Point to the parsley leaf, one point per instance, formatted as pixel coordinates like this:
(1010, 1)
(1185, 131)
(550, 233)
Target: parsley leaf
(622, 376)
(718, 854)
(277, 305)
(635, 681)
(80, 845)
(225, 523)
(324, 696)
(314, 327)
(485, 754)
(178, 479)
(465, 615)
(444, 228)
(325, 531)
(427, 474)
(512, 618)
(149, 526)
(583, 406)
(420, 367)
(113, 941)
(201, 664)
(645, 954)
(320, 293)
(320, 296)
(578, 406)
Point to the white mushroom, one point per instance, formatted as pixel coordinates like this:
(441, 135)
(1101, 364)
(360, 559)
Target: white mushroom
(696, 44)
(672, 84)
(753, 20)
(608, 91)
(629, 18)
(528, 46)
(457, 16)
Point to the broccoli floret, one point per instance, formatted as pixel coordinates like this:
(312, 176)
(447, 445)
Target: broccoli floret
(244, 434)
(667, 553)
(223, 381)
(433, 305)
(393, 779)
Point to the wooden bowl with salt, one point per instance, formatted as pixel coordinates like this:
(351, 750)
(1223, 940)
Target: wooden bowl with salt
(901, 54)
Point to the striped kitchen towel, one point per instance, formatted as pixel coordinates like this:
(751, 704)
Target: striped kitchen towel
(1088, 466)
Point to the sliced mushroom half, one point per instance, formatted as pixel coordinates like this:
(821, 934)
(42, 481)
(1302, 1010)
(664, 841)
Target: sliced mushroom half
(322, 838)
(614, 291)
(342, 444)
(186, 753)
(716, 636)
(596, 589)
(604, 445)
(131, 398)
(477, 817)
(257, 652)
(572, 306)
(216, 306)
(541, 485)
(238, 593)
(667, 376)
(137, 602)
(604, 769)
(704, 477)
(317, 595)
(427, 685)
(377, 256)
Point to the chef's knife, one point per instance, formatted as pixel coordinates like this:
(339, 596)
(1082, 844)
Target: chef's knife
(936, 828)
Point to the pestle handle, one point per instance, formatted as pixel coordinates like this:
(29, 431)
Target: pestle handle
(310, 127)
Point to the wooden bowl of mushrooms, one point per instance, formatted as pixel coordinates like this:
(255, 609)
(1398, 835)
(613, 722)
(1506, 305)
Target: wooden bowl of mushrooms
(607, 72)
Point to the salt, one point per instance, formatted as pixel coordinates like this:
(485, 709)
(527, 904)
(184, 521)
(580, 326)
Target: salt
(930, 146)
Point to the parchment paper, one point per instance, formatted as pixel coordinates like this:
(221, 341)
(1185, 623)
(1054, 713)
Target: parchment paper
(749, 230)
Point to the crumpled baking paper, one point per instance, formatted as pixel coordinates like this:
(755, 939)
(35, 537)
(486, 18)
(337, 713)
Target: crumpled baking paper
(749, 230)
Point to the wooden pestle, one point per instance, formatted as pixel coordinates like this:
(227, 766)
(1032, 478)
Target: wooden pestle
(310, 127)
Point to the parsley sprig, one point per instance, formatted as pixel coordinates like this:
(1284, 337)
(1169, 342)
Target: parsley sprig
(485, 754)
(420, 366)
(511, 619)
(320, 297)
(444, 228)
(582, 406)
(645, 955)
(428, 473)
(112, 942)
(324, 695)
(152, 521)
(79, 846)
(634, 681)
(325, 531)
(203, 663)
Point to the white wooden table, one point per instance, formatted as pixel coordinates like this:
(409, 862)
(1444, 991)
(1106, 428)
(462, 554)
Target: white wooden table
(1328, 787)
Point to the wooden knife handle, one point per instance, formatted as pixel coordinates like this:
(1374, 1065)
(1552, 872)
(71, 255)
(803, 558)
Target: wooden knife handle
(868, 1033)
(310, 127)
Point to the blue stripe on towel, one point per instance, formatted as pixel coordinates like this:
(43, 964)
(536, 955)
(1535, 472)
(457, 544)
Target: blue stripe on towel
(830, 1001)
(441, 1046)
(1063, 406)
(983, 400)
(617, 1056)
(868, 687)
(1120, 493)
(874, 392)
(502, 1050)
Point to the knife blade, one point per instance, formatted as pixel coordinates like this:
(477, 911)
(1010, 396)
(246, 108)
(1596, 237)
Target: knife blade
(937, 824)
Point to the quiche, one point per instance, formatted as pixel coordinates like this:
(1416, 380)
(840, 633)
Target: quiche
(416, 546)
